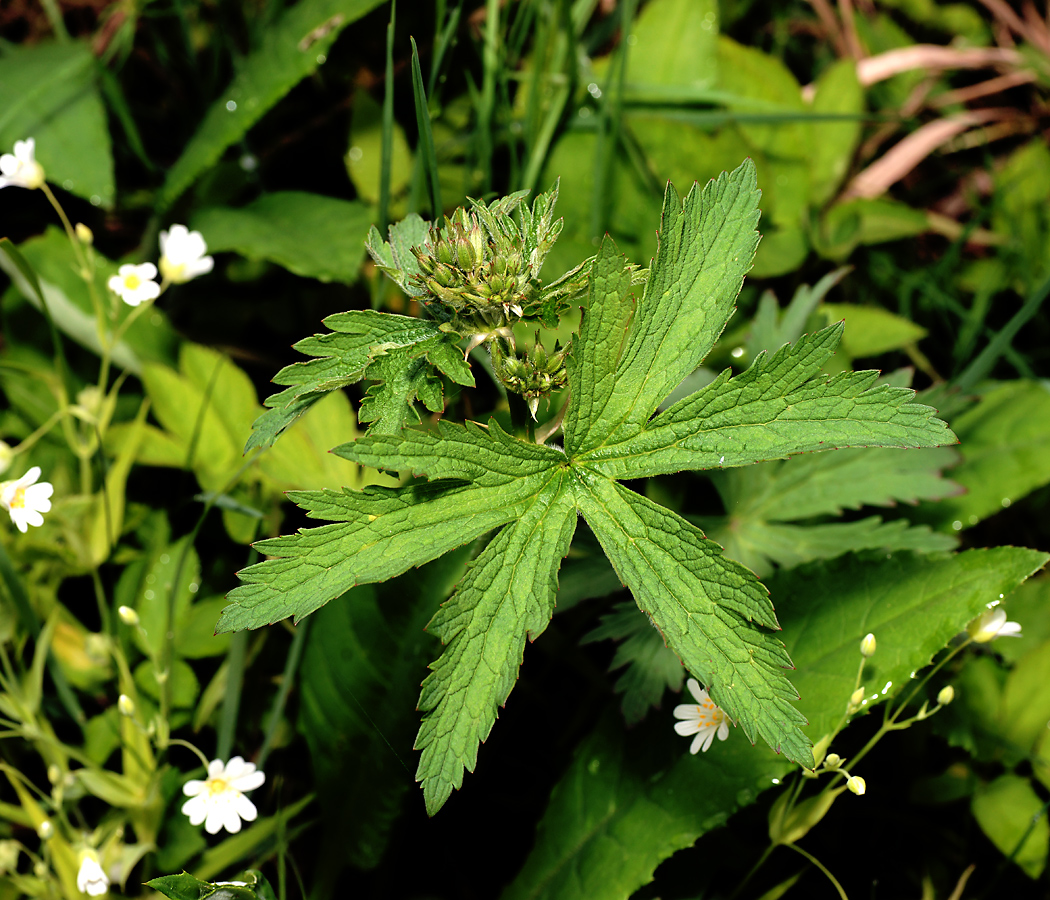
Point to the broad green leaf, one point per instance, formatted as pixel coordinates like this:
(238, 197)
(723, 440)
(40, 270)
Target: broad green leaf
(833, 143)
(364, 156)
(309, 234)
(1025, 707)
(651, 667)
(699, 601)
(359, 679)
(507, 596)
(49, 92)
(674, 44)
(711, 237)
(619, 811)
(1029, 605)
(1007, 810)
(1023, 185)
(149, 339)
(186, 887)
(1005, 449)
(341, 358)
(781, 405)
(852, 222)
(772, 327)
(379, 533)
(291, 48)
(871, 330)
(624, 805)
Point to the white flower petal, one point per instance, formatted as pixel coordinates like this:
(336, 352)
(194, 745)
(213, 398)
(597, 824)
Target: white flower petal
(193, 787)
(698, 692)
(249, 781)
(216, 816)
(216, 769)
(686, 711)
(245, 808)
(698, 741)
(723, 730)
(686, 728)
(1010, 629)
(709, 738)
(197, 809)
(231, 820)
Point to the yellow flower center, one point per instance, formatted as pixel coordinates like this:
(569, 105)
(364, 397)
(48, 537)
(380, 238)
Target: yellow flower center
(18, 501)
(172, 271)
(709, 713)
(215, 786)
(132, 282)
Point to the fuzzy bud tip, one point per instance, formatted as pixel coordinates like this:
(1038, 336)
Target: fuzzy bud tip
(946, 695)
(867, 646)
(856, 784)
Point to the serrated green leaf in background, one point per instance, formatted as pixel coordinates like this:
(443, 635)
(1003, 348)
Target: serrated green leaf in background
(616, 814)
(1007, 810)
(49, 92)
(291, 48)
(309, 234)
(651, 667)
(760, 499)
(360, 677)
(1005, 450)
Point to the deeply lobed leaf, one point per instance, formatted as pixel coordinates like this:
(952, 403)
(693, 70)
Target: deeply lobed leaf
(507, 595)
(779, 406)
(700, 601)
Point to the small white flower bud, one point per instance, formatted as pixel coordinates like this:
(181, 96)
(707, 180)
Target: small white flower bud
(84, 234)
(54, 774)
(946, 695)
(856, 784)
(45, 830)
(832, 761)
(867, 646)
(126, 705)
(128, 616)
(6, 455)
(856, 699)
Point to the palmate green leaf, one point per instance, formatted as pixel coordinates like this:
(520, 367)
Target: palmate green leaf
(697, 599)
(780, 406)
(631, 354)
(359, 338)
(630, 801)
(507, 596)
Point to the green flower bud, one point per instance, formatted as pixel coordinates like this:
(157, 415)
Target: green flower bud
(946, 695)
(856, 784)
(867, 646)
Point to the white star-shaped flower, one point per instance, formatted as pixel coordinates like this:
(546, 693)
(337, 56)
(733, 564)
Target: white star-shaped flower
(219, 801)
(20, 169)
(182, 255)
(25, 500)
(703, 718)
(134, 284)
(91, 879)
(991, 625)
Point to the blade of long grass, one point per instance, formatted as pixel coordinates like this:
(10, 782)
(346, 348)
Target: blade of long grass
(487, 101)
(231, 701)
(114, 95)
(291, 667)
(443, 41)
(609, 125)
(20, 598)
(387, 149)
(426, 134)
(982, 366)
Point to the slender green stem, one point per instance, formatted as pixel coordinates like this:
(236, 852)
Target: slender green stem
(231, 701)
(822, 867)
(751, 873)
(291, 666)
(487, 102)
(28, 442)
(181, 743)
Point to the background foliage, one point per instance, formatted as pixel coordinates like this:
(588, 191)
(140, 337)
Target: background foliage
(901, 149)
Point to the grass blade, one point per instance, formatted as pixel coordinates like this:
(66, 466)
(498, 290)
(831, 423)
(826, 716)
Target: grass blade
(426, 135)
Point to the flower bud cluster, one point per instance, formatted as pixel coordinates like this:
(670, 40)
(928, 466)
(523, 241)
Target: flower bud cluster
(534, 375)
(475, 271)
